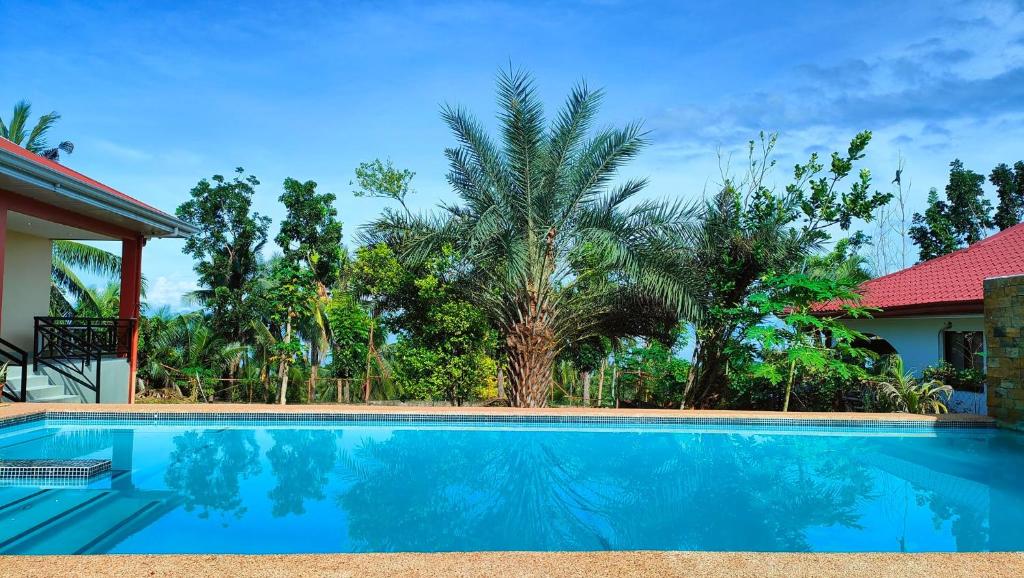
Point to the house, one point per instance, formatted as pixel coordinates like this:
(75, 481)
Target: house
(934, 311)
(67, 359)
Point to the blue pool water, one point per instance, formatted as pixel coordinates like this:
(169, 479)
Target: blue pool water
(224, 487)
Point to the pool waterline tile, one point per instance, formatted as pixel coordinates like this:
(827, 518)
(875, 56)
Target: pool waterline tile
(144, 415)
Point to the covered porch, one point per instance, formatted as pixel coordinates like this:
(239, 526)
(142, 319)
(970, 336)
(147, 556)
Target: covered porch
(86, 359)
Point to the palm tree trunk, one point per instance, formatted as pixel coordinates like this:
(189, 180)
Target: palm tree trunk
(585, 378)
(501, 382)
(531, 358)
(600, 383)
(283, 367)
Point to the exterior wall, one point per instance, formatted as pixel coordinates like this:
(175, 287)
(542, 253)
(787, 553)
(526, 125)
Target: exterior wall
(26, 286)
(918, 341)
(1004, 326)
(113, 382)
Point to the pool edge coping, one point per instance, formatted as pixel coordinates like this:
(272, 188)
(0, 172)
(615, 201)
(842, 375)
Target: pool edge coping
(14, 414)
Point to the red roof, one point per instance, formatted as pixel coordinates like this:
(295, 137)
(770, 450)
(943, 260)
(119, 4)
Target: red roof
(952, 283)
(9, 146)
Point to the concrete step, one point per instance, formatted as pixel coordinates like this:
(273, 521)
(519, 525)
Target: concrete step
(57, 399)
(45, 390)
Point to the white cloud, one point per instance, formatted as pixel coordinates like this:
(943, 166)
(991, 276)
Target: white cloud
(169, 291)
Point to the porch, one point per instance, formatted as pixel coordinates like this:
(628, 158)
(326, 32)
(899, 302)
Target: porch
(67, 358)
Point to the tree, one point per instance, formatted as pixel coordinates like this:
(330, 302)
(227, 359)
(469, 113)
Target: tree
(808, 343)
(1009, 185)
(311, 237)
(376, 274)
(933, 232)
(227, 250)
(17, 131)
(962, 219)
(290, 296)
(68, 292)
(749, 232)
(383, 181)
(310, 230)
(529, 206)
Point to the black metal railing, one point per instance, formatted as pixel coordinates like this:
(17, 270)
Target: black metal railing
(75, 346)
(14, 356)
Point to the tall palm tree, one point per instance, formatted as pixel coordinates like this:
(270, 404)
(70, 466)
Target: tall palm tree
(550, 247)
(17, 131)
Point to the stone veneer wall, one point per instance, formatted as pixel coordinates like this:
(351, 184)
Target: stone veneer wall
(1004, 338)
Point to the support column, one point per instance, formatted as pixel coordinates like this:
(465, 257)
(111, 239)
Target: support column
(1004, 329)
(131, 300)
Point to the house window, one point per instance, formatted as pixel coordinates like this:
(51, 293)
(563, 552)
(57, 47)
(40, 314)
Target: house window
(964, 349)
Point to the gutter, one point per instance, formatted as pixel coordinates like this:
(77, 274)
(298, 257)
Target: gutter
(163, 224)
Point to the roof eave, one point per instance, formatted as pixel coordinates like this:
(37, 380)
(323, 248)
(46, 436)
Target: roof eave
(970, 307)
(163, 225)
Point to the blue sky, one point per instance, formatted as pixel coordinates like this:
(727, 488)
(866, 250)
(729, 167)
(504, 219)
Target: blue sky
(156, 96)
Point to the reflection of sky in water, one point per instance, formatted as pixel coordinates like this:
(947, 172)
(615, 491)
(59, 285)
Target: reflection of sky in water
(362, 487)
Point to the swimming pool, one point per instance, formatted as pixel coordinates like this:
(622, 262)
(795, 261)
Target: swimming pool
(295, 484)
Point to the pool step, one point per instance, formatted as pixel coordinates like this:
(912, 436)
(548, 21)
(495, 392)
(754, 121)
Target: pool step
(80, 521)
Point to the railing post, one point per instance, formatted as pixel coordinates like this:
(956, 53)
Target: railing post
(24, 376)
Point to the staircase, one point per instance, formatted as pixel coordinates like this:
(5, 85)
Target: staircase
(39, 389)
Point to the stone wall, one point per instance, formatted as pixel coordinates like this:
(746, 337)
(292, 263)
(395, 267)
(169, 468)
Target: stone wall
(1004, 332)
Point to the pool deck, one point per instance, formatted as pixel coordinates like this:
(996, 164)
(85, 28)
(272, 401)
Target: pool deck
(573, 564)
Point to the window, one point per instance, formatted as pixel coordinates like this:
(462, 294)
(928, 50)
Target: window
(964, 349)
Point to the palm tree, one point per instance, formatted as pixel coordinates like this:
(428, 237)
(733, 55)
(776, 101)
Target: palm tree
(34, 140)
(550, 248)
(68, 292)
(905, 394)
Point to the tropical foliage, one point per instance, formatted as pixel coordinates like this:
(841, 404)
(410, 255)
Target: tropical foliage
(20, 130)
(904, 393)
(550, 277)
(549, 248)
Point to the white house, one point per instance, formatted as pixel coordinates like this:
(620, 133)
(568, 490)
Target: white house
(934, 311)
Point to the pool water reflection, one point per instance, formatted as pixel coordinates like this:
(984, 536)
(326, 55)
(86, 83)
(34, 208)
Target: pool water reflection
(357, 487)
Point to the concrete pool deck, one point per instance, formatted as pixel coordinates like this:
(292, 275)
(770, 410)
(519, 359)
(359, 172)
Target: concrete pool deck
(582, 564)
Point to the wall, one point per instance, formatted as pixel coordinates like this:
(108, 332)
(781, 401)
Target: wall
(917, 339)
(26, 287)
(113, 382)
(918, 342)
(1004, 319)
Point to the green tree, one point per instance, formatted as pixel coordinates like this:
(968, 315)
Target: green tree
(383, 181)
(310, 230)
(311, 237)
(227, 250)
(808, 343)
(963, 218)
(17, 131)
(291, 296)
(748, 232)
(376, 276)
(445, 349)
(528, 207)
(1009, 185)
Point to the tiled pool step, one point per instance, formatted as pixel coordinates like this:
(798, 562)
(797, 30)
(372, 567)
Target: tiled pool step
(53, 469)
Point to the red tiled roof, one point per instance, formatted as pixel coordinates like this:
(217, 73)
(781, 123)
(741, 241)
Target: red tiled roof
(72, 174)
(951, 283)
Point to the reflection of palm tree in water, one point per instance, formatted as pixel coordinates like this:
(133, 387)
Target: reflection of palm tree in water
(206, 466)
(565, 490)
(301, 461)
(426, 490)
